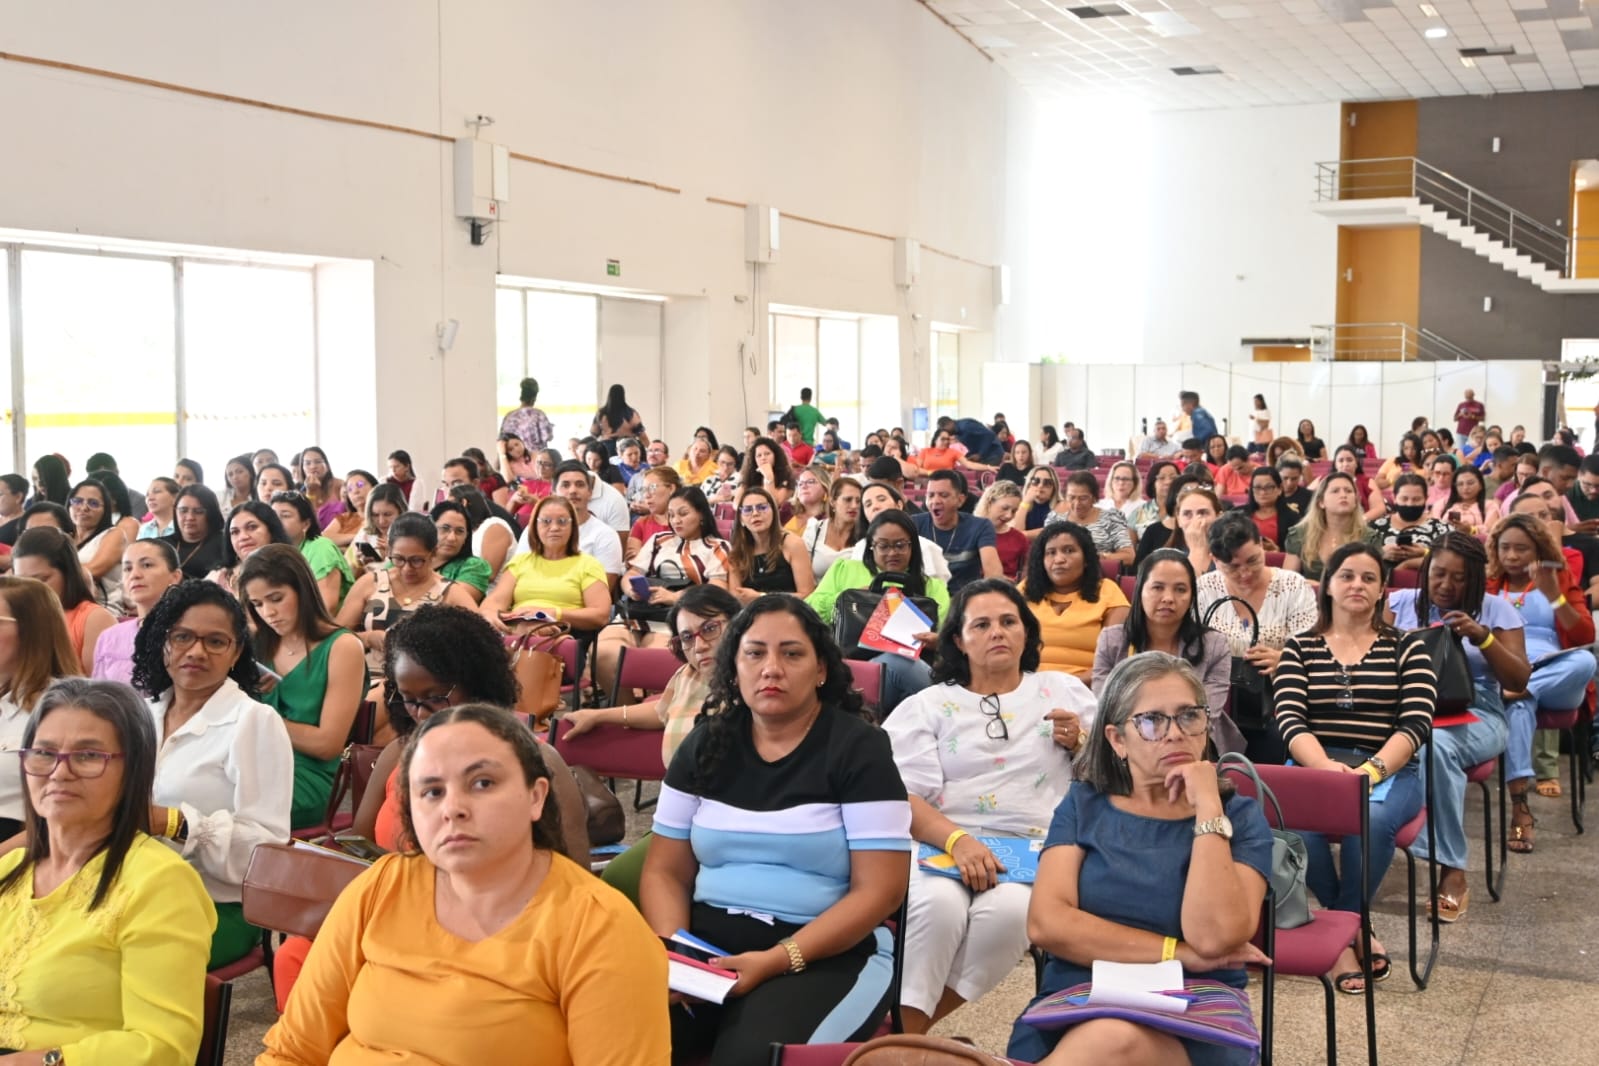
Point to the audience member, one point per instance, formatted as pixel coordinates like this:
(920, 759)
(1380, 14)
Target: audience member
(811, 488)
(453, 557)
(827, 538)
(1334, 520)
(201, 531)
(346, 521)
(766, 466)
(1076, 455)
(1295, 494)
(46, 555)
(1071, 598)
(251, 527)
(1468, 507)
(595, 537)
(1157, 492)
(1164, 616)
(1155, 446)
(557, 581)
(998, 504)
(1233, 476)
(659, 484)
(1108, 526)
(332, 573)
(35, 650)
(764, 556)
(162, 498)
(1016, 465)
(880, 496)
(1405, 536)
(149, 568)
(966, 541)
(369, 549)
(1267, 508)
(1122, 489)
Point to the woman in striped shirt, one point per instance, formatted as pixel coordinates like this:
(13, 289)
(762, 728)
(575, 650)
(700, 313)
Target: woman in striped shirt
(1352, 695)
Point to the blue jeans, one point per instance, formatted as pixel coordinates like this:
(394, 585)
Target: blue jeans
(1338, 888)
(1456, 749)
(901, 677)
(1556, 686)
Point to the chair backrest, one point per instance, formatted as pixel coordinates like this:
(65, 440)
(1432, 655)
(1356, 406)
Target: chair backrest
(868, 677)
(1111, 568)
(1405, 578)
(214, 1035)
(1275, 558)
(724, 528)
(1330, 802)
(611, 751)
(1129, 584)
(644, 668)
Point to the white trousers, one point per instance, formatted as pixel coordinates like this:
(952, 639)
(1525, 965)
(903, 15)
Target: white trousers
(959, 939)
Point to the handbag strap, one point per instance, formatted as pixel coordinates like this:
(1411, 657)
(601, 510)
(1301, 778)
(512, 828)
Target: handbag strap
(1254, 619)
(1239, 762)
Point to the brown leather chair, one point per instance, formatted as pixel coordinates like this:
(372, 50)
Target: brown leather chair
(569, 800)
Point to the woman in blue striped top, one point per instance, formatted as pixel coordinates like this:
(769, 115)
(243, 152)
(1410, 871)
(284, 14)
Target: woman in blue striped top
(1353, 695)
(782, 836)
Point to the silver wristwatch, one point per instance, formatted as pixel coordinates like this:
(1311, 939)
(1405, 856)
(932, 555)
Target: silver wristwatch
(1219, 824)
(53, 1057)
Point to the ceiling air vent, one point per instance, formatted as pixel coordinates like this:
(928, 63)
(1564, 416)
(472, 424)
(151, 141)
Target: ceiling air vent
(1194, 72)
(1099, 11)
(1488, 50)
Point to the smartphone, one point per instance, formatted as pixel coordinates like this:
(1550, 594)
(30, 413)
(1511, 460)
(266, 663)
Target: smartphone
(359, 846)
(268, 671)
(1454, 516)
(366, 551)
(688, 951)
(1549, 564)
(641, 586)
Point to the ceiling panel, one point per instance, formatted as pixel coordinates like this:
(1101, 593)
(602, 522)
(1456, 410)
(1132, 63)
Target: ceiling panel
(1281, 51)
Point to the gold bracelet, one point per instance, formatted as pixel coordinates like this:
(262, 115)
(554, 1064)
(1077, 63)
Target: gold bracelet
(1487, 641)
(624, 717)
(954, 838)
(173, 814)
(1168, 949)
(796, 961)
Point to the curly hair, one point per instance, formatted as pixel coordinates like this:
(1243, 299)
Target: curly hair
(1039, 584)
(750, 475)
(953, 667)
(149, 647)
(726, 716)
(1543, 542)
(455, 645)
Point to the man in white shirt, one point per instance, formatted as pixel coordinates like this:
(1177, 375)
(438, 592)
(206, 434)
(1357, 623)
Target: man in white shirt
(609, 506)
(1157, 445)
(594, 536)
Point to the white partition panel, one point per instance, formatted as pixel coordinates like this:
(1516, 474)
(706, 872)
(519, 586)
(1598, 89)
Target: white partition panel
(1215, 388)
(1250, 380)
(1067, 393)
(1154, 395)
(1355, 399)
(1012, 388)
(1453, 379)
(1514, 396)
(1307, 393)
(1110, 418)
(1407, 392)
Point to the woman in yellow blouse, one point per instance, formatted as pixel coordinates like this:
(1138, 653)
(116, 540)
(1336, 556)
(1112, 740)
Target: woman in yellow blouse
(104, 930)
(1071, 597)
(489, 940)
(556, 577)
(698, 464)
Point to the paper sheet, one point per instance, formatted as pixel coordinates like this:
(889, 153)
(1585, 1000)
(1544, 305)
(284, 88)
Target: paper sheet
(904, 623)
(1138, 984)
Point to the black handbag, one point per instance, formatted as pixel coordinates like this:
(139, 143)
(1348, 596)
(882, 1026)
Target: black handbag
(640, 613)
(1456, 690)
(854, 608)
(1250, 689)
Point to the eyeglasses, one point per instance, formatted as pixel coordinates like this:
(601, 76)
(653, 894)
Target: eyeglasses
(990, 707)
(86, 502)
(42, 762)
(456, 530)
(213, 643)
(1153, 725)
(431, 704)
(1241, 565)
(891, 546)
(191, 512)
(286, 496)
(356, 483)
(754, 509)
(559, 521)
(411, 562)
(1346, 698)
(1039, 481)
(805, 482)
(708, 632)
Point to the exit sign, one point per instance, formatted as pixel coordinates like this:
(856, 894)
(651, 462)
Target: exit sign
(613, 268)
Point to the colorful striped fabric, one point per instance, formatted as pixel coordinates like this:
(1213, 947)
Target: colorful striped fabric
(1217, 1014)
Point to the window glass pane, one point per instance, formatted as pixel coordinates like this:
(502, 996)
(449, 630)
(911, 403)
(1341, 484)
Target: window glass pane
(563, 353)
(98, 361)
(8, 422)
(793, 359)
(838, 377)
(946, 374)
(510, 348)
(249, 364)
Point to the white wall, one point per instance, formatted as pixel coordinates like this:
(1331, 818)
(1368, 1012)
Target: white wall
(874, 116)
(1234, 248)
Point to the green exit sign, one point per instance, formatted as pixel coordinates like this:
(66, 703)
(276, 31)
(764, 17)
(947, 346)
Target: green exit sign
(613, 268)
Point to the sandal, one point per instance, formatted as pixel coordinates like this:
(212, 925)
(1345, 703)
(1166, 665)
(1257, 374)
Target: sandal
(1549, 788)
(1382, 968)
(1521, 832)
(1451, 909)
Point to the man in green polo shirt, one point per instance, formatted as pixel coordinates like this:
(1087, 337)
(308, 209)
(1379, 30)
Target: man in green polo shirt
(807, 416)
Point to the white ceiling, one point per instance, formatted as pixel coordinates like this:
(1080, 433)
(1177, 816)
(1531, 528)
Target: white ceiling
(1282, 51)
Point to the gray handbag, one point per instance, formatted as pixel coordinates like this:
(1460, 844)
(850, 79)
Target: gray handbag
(1289, 857)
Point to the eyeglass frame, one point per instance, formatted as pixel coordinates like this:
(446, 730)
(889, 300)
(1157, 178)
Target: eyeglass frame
(104, 759)
(995, 717)
(172, 643)
(1168, 720)
(434, 704)
(681, 642)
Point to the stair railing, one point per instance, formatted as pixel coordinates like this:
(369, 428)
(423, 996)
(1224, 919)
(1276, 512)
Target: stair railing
(1383, 342)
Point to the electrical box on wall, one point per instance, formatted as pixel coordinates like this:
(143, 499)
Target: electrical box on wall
(907, 261)
(761, 233)
(482, 180)
(1001, 284)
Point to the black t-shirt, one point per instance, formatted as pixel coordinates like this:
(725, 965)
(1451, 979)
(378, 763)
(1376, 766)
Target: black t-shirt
(1315, 448)
(1298, 501)
(11, 531)
(1010, 472)
(197, 560)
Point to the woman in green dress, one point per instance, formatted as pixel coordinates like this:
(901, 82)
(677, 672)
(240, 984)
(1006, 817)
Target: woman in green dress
(321, 677)
(454, 558)
(329, 569)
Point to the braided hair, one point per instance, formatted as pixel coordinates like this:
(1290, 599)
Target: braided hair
(1471, 550)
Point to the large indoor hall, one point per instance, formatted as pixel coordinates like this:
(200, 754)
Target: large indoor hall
(756, 533)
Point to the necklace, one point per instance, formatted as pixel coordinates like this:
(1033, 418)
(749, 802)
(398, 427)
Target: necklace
(1521, 600)
(936, 531)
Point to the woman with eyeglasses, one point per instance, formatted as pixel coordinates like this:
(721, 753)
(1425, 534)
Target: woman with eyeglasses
(1268, 508)
(555, 581)
(536, 482)
(765, 557)
(34, 651)
(1282, 601)
(985, 752)
(659, 484)
(200, 531)
(47, 555)
(1150, 857)
(720, 486)
(346, 522)
(224, 776)
(369, 548)
(890, 546)
(1121, 490)
(381, 598)
(1071, 597)
(251, 526)
(1164, 617)
(316, 663)
(333, 574)
(149, 568)
(106, 931)
(827, 538)
(811, 488)
(1112, 536)
(878, 497)
(453, 559)
(98, 541)
(493, 538)
(1353, 695)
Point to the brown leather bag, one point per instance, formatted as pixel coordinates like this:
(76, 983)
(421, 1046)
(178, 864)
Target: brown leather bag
(903, 1049)
(538, 667)
(607, 822)
(291, 889)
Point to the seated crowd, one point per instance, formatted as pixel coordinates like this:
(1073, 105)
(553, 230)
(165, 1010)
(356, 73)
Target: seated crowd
(1084, 621)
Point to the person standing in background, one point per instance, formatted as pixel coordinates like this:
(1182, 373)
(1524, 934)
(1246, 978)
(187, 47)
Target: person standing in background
(1200, 422)
(805, 416)
(527, 421)
(1468, 413)
(1260, 415)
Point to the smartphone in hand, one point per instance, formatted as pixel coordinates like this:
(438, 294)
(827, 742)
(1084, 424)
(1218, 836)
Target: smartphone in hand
(640, 586)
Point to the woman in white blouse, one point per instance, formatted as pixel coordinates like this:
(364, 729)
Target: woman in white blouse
(986, 752)
(224, 779)
(828, 537)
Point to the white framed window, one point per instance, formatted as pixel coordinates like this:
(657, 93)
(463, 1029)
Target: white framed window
(552, 337)
(824, 352)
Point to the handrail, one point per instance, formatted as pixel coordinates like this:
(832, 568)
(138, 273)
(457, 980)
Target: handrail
(1384, 340)
(1409, 176)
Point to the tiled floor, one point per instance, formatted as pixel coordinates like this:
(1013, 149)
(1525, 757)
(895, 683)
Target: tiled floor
(1516, 981)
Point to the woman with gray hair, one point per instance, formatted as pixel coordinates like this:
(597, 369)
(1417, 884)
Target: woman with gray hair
(1145, 814)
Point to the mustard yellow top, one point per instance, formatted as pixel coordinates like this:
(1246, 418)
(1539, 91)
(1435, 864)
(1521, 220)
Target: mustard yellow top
(577, 977)
(691, 476)
(122, 985)
(1071, 626)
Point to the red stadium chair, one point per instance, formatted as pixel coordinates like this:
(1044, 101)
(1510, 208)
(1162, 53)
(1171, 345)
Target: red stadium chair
(214, 1036)
(1479, 775)
(612, 752)
(1405, 579)
(1571, 725)
(1110, 568)
(868, 677)
(1129, 584)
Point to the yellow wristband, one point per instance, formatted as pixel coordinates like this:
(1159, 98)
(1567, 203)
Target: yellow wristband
(173, 814)
(1168, 949)
(949, 845)
(1559, 601)
(1487, 642)
(1372, 772)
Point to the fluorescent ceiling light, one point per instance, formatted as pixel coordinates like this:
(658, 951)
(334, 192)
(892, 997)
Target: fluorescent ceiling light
(1430, 11)
(1434, 33)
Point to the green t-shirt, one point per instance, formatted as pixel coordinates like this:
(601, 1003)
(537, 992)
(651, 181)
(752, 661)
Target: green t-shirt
(468, 571)
(323, 557)
(809, 418)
